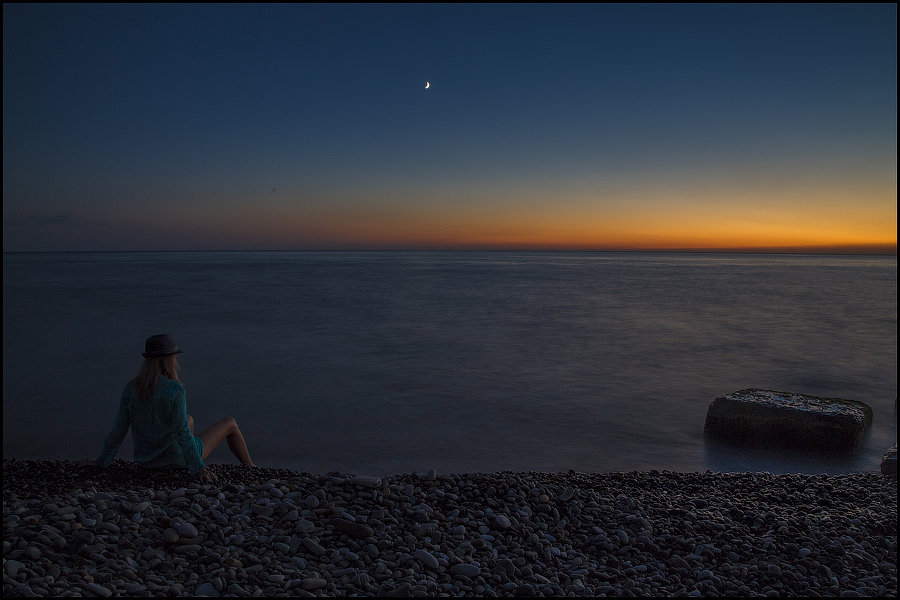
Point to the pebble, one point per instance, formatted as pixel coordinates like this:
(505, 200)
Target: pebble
(353, 529)
(465, 570)
(303, 526)
(98, 590)
(186, 530)
(133, 589)
(207, 589)
(314, 547)
(12, 567)
(170, 535)
(313, 583)
(427, 559)
(271, 532)
(366, 481)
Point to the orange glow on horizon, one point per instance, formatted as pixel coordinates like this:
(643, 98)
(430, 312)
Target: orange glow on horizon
(391, 230)
(852, 217)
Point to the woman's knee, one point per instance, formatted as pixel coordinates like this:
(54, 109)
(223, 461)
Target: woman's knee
(229, 422)
(191, 423)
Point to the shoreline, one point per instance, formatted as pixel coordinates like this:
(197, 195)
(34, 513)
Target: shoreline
(72, 530)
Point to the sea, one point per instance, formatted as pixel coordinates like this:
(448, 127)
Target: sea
(399, 362)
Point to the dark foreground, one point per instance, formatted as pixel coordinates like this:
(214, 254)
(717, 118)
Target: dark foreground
(76, 531)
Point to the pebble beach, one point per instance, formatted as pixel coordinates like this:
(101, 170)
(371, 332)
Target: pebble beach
(72, 530)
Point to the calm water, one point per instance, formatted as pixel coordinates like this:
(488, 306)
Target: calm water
(463, 361)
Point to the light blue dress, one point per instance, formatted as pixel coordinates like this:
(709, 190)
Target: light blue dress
(159, 429)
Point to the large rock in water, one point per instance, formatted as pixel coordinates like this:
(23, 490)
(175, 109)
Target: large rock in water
(757, 417)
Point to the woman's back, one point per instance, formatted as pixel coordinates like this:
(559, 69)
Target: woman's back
(155, 423)
(159, 428)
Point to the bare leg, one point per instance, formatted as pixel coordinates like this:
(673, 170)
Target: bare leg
(191, 423)
(225, 429)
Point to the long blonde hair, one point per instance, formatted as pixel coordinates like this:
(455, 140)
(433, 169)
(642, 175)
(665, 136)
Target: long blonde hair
(152, 368)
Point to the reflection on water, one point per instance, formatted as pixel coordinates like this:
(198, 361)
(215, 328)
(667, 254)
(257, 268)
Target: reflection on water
(726, 458)
(464, 361)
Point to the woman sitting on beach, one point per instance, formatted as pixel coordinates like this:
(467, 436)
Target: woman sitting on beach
(153, 405)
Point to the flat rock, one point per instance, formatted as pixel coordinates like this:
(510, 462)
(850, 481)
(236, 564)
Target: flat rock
(304, 526)
(427, 559)
(186, 530)
(889, 462)
(764, 417)
(12, 568)
(465, 570)
(354, 530)
(207, 589)
(313, 583)
(98, 590)
(314, 547)
(502, 521)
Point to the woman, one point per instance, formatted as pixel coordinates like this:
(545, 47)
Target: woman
(153, 405)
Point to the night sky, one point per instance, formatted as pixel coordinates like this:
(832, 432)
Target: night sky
(283, 127)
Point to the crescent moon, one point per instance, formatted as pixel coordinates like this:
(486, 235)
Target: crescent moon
(427, 84)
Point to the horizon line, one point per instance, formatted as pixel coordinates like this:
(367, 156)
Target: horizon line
(855, 250)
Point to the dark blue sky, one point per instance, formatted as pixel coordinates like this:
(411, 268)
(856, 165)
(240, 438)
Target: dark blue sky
(297, 126)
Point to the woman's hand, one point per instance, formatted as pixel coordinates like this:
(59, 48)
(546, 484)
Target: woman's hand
(206, 476)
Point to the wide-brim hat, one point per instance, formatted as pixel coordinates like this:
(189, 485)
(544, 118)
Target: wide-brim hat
(160, 345)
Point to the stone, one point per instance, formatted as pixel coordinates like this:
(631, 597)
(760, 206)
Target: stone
(889, 462)
(757, 417)
(465, 570)
(304, 526)
(98, 590)
(111, 527)
(207, 589)
(368, 481)
(354, 530)
(314, 547)
(427, 559)
(313, 583)
(263, 510)
(12, 568)
(503, 521)
(186, 530)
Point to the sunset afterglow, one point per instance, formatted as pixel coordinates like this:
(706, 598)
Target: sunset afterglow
(296, 127)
